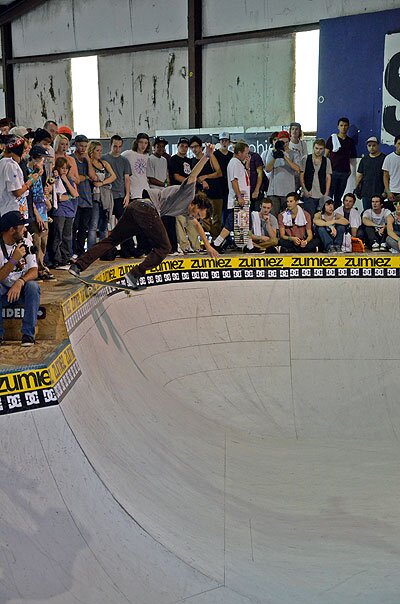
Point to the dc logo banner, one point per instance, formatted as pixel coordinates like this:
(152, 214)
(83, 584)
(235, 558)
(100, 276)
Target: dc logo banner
(391, 89)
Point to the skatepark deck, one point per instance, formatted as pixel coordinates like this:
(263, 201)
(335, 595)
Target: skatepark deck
(226, 442)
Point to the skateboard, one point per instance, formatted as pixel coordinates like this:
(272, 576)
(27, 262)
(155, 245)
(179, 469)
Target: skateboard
(90, 283)
(241, 223)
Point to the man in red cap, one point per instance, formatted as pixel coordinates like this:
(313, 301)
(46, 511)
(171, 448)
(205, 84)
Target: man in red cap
(282, 169)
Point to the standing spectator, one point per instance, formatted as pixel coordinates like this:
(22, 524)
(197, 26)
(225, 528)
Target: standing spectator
(102, 197)
(6, 124)
(63, 216)
(393, 228)
(66, 131)
(331, 227)
(138, 158)
(391, 171)
(180, 168)
(223, 157)
(351, 214)
(13, 189)
(239, 190)
(315, 177)
(295, 228)
(121, 187)
(85, 199)
(61, 146)
(374, 221)
(298, 146)
(209, 181)
(282, 168)
(39, 227)
(369, 173)
(52, 127)
(264, 228)
(43, 138)
(340, 148)
(256, 181)
(18, 271)
(158, 177)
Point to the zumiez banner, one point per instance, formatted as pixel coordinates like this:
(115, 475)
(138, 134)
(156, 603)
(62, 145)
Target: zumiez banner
(391, 89)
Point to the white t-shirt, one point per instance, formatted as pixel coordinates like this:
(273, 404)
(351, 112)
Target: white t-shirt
(378, 219)
(354, 217)
(236, 170)
(23, 265)
(391, 164)
(299, 150)
(138, 162)
(11, 179)
(157, 167)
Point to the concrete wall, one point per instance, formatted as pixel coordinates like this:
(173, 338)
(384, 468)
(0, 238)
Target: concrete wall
(72, 25)
(43, 91)
(226, 16)
(240, 84)
(143, 91)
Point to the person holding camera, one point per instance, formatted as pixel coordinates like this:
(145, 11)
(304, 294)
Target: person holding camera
(18, 271)
(282, 169)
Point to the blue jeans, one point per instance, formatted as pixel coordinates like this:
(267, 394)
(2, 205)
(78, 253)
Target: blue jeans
(338, 186)
(29, 300)
(328, 240)
(98, 222)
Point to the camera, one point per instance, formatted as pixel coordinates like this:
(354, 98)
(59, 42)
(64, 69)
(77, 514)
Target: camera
(29, 249)
(278, 149)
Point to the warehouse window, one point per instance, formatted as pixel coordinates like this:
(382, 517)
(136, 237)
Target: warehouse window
(306, 87)
(85, 96)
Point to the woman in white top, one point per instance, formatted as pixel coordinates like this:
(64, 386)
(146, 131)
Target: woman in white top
(138, 160)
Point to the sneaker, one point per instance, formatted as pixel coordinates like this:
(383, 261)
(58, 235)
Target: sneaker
(392, 250)
(74, 269)
(383, 247)
(63, 267)
(218, 248)
(48, 277)
(74, 257)
(27, 340)
(246, 250)
(375, 247)
(133, 281)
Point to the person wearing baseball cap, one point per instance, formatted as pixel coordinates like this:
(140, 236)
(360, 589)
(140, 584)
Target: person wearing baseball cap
(18, 271)
(13, 189)
(369, 178)
(66, 131)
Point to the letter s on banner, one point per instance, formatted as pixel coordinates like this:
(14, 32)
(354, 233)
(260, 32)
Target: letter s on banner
(391, 89)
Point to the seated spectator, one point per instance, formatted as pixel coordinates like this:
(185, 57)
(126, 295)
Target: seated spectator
(295, 230)
(13, 189)
(282, 170)
(351, 214)
(393, 228)
(374, 221)
(263, 234)
(39, 226)
(63, 215)
(18, 271)
(315, 177)
(331, 227)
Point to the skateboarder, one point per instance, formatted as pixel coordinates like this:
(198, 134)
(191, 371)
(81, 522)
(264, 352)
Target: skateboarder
(143, 217)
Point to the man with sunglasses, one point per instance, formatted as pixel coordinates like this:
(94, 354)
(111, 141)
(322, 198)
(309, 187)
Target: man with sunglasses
(369, 173)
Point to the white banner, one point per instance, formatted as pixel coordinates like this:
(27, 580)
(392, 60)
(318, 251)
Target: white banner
(391, 89)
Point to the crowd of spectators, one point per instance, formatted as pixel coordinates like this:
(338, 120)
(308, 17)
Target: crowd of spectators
(69, 192)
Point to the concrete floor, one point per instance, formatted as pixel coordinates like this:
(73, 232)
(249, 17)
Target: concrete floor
(227, 443)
